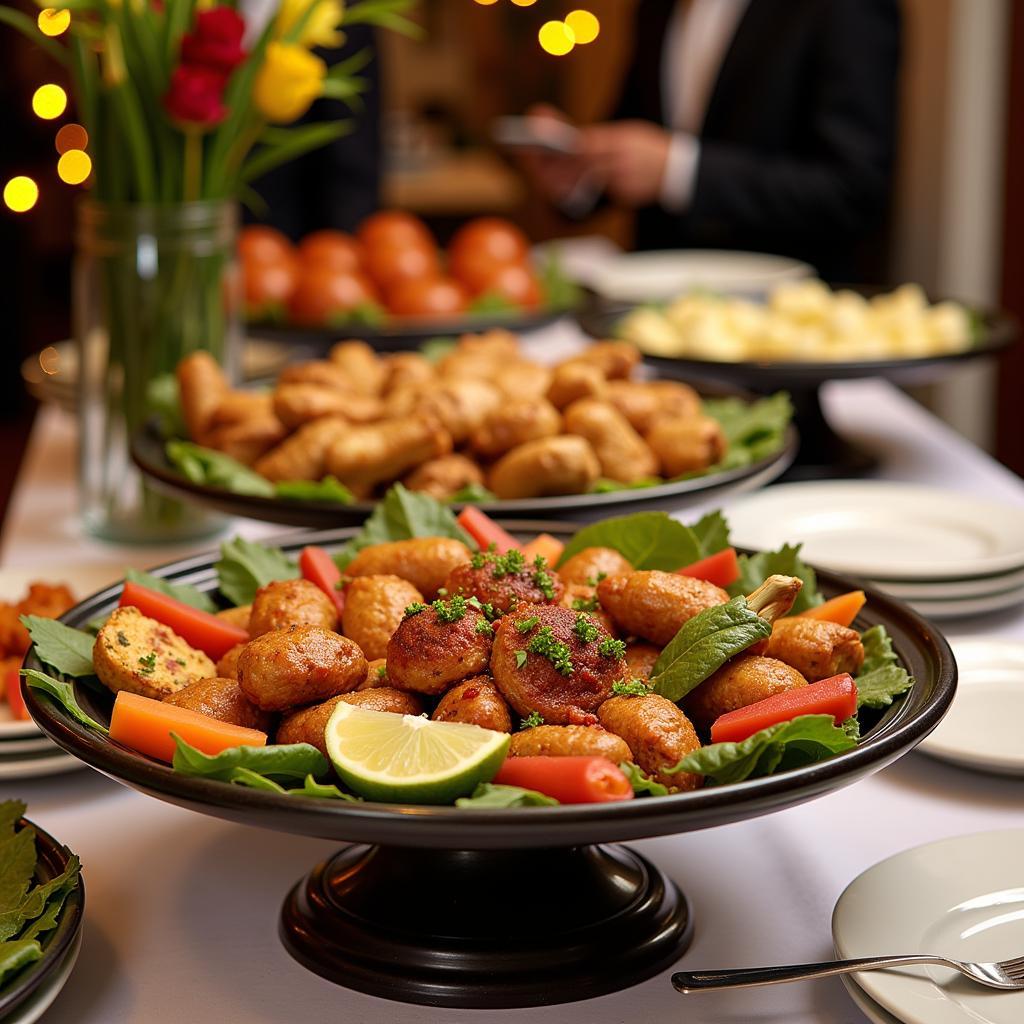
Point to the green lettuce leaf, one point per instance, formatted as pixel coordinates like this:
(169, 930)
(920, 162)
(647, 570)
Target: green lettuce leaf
(755, 569)
(802, 740)
(66, 650)
(63, 693)
(754, 430)
(704, 644)
(245, 566)
(183, 592)
(487, 794)
(472, 494)
(15, 955)
(17, 868)
(215, 469)
(274, 762)
(323, 791)
(650, 540)
(642, 784)
(329, 489)
(10, 812)
(401, 515)
(41, 906)
(435, 349)
(881, 677)
(712, 533)
(163, 399)
(560, 290)
(488, 303)
(605, 485)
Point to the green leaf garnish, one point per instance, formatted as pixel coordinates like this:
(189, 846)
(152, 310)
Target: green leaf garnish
(649, 540)
(755, 569)
(183, 592)
(245, 566)
(533, 719)
(487, 794)
(642, 784)
(66, 650)
(211, 468)
(63, 693)
(275, 761)
(631, 688)
(881, 677)
(330, 489)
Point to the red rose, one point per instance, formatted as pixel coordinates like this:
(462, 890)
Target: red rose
(195, 96)
(216, 41)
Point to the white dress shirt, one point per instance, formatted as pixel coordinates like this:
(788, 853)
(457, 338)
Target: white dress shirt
(699, 34)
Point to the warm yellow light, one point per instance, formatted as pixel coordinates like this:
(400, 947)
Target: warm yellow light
(486, 3)
(524, 3)
(49, 101)
(71, 136)
(556, 38)
(584, 25)
(52, 22)
(74, 167)
(20, 194)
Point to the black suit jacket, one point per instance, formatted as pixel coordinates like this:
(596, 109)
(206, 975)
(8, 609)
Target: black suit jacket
(798, 141)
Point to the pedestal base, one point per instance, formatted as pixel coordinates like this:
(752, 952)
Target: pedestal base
(486, 929)
(823, 454)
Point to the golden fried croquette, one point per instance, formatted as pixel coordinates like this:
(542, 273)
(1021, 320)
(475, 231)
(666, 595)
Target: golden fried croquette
(424, 561)
(621, 451)
(303, 455)
(475, 701)
(816, 649)
(286, 603)
(548, 466)
(686, 445)
(514, 423)
(140, 655)
(316, 371)
(227, 667)
(445, 476)
(374, 607)
(504, 581)
(299, 403)
(569, 741)
(201, 387)
(658, 734)
(522, 379)
(302, 665)
(364, 370)
(462, 406)
(640, 659)
(591, 565)
(615, 359)
(376, 674)
(574, 380)
(406, 368)
(580, 598)
(653, 604)
(248, 440)
(644, 402)
(237, 616)
(222, 699)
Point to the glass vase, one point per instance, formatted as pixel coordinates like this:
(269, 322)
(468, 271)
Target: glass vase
(151, 284)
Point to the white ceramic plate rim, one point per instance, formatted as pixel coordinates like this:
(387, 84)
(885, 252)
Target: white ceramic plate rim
(37, 767)
(762, 521)
(949, 590)
(969, 606)
(919, 885)
(874, 1013)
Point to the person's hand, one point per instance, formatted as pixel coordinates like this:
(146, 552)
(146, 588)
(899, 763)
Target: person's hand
(555, 175)
(629, 158)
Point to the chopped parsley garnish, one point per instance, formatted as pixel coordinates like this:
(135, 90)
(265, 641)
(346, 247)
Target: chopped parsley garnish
(632, 688)
(594, 580)
(585, 604)
(415, 608)
(534, 718)
(543, 642)
(520, 659)
(123, 640)
(611, 648)
(542, 579)
(148, 663)
(585, 628)
(382, 671)
(486, 607)
(451, 610)
(484, 628)
(508, 564)
(527, 624)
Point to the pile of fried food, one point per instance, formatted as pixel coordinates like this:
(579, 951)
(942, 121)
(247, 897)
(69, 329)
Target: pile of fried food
(483, 415)
(801, 320)
(47, 600)
(510, 645)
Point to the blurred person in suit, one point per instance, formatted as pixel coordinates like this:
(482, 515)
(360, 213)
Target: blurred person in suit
(765, 125)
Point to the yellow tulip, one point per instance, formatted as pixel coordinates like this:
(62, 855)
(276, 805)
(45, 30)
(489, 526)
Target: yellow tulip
(289, 80)
(321, 28)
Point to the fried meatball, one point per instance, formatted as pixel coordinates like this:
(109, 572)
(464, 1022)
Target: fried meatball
(580, 598)
(644, 402)
(461, 405)
(522, 379)
(286, 603)
(237, 616)
(575, 380)
(376, 675)
(475, 702)
(14, 638)
(658, 734)
(655, 604)
(303, 455)
(816, 649)
(615, 359)
(222, 699)
(428, 654)
(307, 725)
(140, 655)
(569, 741)
(743, 680)
(591, 565)
(301, 665)
(550, 465)
(374, 607)
(445, 476)
(227, 667)
(622, 452)
(529, 679)
(505, 581)
(514, 423)
(424, 561)
(686, 445)
(640, 659)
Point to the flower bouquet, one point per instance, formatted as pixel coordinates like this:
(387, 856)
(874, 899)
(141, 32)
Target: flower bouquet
(185, 105)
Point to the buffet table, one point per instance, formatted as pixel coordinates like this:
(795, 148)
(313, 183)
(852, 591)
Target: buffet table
(182, 909)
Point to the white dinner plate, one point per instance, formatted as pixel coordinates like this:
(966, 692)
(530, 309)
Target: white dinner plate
(884, 531)
(962, 898)
(43, 998)
(982, 727)
(36, 745)
(666, 274)
(968, 605)
(37, 766)
(874, 1013)
(949, 590)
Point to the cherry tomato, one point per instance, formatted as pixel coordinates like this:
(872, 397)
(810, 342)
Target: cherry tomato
(333, 249)
(324, 295)
(394, 227)
(489, 241)
(515, 283)
(268, 286)
(258, 243)
(390, 265)
(428, 297)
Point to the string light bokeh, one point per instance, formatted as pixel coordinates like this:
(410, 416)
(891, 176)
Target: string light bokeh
(49, 101)
(559, 38)
(20, 194)
(71, 136)
(53, 21)
(74, 166)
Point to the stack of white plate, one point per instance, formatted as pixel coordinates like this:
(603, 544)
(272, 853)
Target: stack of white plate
(26, 753)
(946, 554)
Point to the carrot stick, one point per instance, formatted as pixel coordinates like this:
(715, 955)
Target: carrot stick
(842, 609)
(485, 531)
(318, 567)
(550, 548)
(570, 780)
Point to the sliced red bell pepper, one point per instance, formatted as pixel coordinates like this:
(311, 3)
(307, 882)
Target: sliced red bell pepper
(12, 687)
(485, 531)
(721, 568)
(198, 628)
(317, 566)
(836, 696)
(570, 780)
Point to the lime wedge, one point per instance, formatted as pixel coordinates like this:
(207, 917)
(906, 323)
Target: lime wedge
(407, 759)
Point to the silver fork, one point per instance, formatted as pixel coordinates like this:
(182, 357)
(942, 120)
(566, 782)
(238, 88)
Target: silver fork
(1004, 974)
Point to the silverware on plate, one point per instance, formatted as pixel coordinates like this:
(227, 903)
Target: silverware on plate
(1004, 974)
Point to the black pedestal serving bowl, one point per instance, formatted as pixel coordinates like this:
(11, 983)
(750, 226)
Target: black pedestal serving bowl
(417, 911)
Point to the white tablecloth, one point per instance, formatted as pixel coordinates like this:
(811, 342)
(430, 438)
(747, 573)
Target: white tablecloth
(182, 909)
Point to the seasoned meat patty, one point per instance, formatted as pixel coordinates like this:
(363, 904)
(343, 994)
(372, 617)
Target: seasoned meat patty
(222, 699)
(475, 702)
(505, 581)
(285, 603)
(554, 661)
(424, 561)
(570, 741)
(816, 649)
